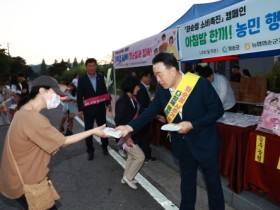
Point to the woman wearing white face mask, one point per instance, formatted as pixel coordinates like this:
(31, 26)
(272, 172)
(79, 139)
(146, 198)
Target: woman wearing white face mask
(31, 140)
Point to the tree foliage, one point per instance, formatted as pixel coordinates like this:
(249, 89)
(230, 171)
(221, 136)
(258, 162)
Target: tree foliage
(43, 69)
(5, 65)
(69, 65)
(75, 63)
(13, 65)
(57, 69)
(63, 71)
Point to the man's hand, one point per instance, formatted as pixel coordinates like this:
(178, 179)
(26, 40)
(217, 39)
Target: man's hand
(129, 142)
(186, 127)
(126, 129)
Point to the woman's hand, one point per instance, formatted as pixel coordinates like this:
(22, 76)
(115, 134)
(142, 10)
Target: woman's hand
(98, 131)
(129, 142)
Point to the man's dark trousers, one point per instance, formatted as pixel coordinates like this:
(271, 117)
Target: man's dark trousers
(188, 169)
(89, 123)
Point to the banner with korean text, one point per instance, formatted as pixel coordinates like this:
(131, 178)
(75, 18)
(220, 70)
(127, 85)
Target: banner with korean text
(246, 27)
(142, 52)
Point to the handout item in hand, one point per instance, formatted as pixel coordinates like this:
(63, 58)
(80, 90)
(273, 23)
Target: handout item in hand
(112, 132)
(171, 127)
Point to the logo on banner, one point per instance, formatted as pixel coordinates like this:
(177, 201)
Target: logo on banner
(225, 49)
(247, 46)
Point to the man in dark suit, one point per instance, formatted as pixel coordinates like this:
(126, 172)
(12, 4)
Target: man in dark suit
(92, 100)
(143, 97)
(23, 83)
(196, 143)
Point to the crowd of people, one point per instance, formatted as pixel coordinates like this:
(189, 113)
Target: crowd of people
(13, 92)
(194, 102)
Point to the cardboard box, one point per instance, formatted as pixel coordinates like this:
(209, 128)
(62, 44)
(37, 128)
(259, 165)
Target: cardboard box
(235, 88)
(252, 89)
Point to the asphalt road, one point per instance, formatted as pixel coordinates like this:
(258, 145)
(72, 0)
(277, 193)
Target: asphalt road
(96, 184)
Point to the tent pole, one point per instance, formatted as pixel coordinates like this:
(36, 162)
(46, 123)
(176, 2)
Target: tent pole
(179, 51)
(115, 82)
(180, 67)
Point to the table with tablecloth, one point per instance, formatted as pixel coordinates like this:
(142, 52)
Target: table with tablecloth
(158, 137)
(232, 153)
(262, 165)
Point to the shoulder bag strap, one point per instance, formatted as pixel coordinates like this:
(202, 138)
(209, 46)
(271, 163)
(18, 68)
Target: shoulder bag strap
(8, 141)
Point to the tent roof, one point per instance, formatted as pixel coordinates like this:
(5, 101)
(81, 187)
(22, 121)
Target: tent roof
(199, 10)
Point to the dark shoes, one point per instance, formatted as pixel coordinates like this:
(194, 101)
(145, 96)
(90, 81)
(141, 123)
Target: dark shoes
(149, 159)
(90, 155)
(105, 151)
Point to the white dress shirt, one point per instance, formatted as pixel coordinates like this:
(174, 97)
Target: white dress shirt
(224, 90)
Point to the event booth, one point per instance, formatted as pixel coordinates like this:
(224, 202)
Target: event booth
(228, 29)
(223, 30)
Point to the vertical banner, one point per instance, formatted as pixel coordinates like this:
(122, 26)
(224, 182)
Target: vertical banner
(109, 80)
(142, 53)
(237, 29)
(260, 148)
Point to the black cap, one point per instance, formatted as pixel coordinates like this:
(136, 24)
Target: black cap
(48, 81)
